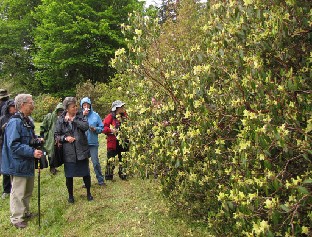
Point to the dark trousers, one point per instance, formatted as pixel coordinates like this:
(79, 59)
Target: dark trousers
(6, 183)
(109, 173)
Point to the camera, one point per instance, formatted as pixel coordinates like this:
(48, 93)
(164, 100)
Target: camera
(36, 143)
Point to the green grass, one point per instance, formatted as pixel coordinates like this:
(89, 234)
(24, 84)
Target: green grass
(122, 208)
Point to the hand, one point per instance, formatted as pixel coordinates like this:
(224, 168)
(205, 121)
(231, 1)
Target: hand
(41, 139)
(92, 129)
(68, 118)
(114, 131)
(38, 154)
(85, 112)
(70, 139)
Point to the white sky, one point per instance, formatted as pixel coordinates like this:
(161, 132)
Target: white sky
(158, 2)
(152, 2)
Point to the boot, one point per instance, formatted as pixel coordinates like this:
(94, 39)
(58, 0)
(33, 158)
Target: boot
(53, 170)
(71, 199)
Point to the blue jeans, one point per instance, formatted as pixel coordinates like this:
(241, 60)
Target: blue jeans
(94, 150)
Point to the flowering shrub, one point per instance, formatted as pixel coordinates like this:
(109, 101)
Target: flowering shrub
(44, 104)
(220, 111)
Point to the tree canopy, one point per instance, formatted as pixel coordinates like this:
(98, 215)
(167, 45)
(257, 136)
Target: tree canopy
(51, 45)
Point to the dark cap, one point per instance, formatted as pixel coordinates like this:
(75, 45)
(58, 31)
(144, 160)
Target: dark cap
(4, 94)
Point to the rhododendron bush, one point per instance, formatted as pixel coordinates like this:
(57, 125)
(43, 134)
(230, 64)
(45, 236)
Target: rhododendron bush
(219, 105)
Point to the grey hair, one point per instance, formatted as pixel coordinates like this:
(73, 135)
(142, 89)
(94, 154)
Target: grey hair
(69, 100)
(20, 99)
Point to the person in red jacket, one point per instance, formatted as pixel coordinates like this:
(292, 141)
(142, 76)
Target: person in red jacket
(112, 124)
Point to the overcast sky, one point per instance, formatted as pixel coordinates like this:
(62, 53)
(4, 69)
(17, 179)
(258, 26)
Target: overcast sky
(152, 2)
(157, 2)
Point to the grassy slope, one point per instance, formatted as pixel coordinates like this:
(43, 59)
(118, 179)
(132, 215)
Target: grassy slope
(122, 208)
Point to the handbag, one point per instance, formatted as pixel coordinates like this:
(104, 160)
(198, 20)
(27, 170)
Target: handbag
(43, 162)
(57, 158)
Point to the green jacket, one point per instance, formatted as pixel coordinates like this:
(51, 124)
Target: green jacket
(47, 130)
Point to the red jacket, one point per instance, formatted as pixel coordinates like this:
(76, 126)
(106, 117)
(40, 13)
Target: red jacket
(109, 120)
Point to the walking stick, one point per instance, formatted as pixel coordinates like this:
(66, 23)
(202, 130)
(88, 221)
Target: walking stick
(39, 192)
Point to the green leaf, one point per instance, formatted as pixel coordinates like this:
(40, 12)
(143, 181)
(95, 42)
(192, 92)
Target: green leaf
(303, 190)
(285, 208)
(307, 181)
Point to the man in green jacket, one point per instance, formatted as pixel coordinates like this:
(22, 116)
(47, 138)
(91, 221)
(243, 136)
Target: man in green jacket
(47, 132)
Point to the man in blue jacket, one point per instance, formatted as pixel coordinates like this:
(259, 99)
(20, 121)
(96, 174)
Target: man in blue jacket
(18, 155)
(95, 128)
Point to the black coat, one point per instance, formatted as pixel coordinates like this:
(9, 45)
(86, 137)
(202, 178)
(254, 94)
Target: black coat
(5, 117)
(79, 149)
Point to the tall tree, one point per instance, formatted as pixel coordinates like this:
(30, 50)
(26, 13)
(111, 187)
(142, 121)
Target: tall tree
(75, 41)
(16, 39)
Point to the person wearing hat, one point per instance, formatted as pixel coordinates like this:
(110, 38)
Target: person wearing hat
(112, 123)
(70, 131)
(47, 132)
(4, 96)
(8, 110)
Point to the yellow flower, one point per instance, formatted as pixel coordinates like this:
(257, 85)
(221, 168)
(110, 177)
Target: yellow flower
(305, 230)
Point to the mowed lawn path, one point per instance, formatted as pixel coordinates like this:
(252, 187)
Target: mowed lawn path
(122, 208)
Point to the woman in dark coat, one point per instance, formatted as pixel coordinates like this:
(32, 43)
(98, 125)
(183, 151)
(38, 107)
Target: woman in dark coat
(70, 132)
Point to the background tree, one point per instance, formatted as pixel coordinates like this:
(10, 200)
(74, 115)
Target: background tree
(75, 41)
(16, 25)
(168, 10)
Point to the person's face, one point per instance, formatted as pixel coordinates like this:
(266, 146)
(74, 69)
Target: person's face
(120, 110)
(28, 107)
(72, 109)
(86, 106)
(12, 109)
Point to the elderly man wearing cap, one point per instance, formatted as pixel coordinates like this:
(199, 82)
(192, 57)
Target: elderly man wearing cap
(112, 123)
(4, 96)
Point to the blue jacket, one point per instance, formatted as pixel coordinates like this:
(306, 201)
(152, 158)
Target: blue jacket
(95, 121)
(17, 156)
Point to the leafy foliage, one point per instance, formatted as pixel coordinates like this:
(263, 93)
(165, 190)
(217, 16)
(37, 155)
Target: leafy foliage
(16, 24)
(50, 46)
(228, 131)
(75, 41)
(44, 104)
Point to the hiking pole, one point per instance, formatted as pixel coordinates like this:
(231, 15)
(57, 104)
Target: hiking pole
(39, 192)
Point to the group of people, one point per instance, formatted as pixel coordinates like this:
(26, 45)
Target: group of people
(70, 130)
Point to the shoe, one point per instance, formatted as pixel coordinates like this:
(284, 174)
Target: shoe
(109, 177)
(123, 177)
(53, 170)
(102, 184)
(20, 225)
(89, 197)
(5, 195)
(71, 200)
(30, 215)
